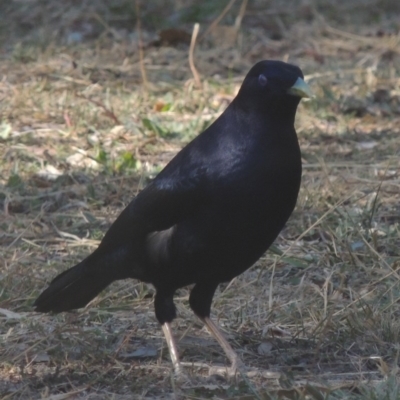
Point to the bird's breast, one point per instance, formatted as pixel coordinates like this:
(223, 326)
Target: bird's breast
(237, 223)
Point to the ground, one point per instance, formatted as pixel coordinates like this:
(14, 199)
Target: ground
(94, 102)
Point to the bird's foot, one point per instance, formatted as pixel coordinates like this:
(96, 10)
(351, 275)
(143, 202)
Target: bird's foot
(179, 374)
(230, 373)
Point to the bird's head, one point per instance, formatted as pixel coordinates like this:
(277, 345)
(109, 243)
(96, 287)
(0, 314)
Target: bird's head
(273, 85)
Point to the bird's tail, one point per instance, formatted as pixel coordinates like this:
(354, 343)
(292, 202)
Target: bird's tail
(74, 288)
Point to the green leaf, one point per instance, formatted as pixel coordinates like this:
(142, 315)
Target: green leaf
(127, 160)
(296, 262)
(101, 156)
(14, 180)
(153, 126)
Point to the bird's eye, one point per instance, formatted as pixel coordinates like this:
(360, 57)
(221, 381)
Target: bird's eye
(262, 80)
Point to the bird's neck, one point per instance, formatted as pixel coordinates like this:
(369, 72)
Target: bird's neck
(274, 122)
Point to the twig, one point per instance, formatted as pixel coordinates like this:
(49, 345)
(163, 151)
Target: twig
(107, 112)
(378, 43)
(218, 19)
(141, 53)
(242, 11)
(196, 75)
(65, 234)
(19, 236)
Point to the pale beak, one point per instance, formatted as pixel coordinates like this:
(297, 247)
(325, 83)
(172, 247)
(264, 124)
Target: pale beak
(300, 89)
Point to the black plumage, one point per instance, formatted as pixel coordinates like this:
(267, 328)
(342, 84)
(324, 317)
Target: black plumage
(210, 213)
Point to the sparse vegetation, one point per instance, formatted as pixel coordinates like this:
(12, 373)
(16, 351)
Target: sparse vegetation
(80, 134)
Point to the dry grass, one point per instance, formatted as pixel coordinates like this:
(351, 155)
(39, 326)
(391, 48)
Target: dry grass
(317, 317)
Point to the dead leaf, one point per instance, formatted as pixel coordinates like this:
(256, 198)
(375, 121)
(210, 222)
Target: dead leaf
(10, 314)
(264, 348)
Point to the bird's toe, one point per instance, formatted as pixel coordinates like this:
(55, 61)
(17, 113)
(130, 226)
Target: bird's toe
(179, 375)
(229, 373)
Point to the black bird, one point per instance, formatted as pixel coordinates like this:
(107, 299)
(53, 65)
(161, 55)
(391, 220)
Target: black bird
(209, 214)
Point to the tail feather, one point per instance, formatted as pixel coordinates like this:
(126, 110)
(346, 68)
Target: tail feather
(73, 288)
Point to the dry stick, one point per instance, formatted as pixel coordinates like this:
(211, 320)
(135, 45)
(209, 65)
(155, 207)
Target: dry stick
(271, 287)
(141, 54)
(19, 236)
(240, 16)
(372, 41)
(107, 112)
(364, 295)
(218, 19)
(375, 42)
(392, 272)
(395, 301)
(191, 52)
(102, 22)
(379, 256)
(27, 351)
(316, 223)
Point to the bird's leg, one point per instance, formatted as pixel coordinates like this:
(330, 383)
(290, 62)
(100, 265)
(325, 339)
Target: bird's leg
(200, 301)
(165, 313)
(173, 351)
(230, 353)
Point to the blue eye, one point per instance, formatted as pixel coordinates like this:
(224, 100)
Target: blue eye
(262, 80)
